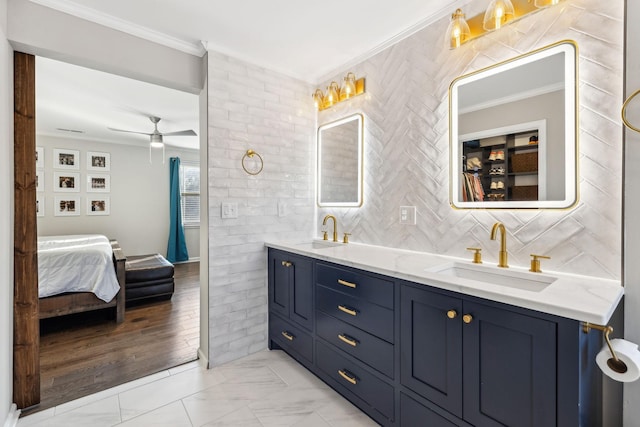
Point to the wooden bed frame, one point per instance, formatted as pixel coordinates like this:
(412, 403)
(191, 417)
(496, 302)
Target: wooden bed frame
(78, 302)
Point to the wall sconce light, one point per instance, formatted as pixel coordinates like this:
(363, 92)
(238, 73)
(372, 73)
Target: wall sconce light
(497, 14)
(334, 94)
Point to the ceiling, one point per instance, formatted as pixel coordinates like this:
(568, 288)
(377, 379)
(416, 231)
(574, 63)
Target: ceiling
(306, 40)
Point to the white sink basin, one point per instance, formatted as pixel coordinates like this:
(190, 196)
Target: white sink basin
(318, 244)
(518, 279)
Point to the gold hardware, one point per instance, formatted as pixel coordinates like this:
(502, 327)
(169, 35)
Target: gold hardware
(624, 111)
(502, 255)
(467, 318)
(535, 262)
(614, 363)
(325, 236)
(287, 335)
(349, 341)
(352, 379)
(477, 256)
(252, 169)
(335, 226)
(335, 94)
(347, 284)
(347, 310)
(452, 314)
(346, 238)
(286, 264)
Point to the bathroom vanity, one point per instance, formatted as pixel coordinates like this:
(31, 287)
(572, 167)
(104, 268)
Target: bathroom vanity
(418, 339)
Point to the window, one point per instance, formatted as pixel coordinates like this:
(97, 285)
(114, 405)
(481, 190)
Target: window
(190, 194)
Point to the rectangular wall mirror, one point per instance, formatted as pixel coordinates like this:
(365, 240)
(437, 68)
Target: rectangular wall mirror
(513, 132)
(339, 180)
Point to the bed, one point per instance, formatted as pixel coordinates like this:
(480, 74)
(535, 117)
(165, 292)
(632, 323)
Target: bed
(79, 273)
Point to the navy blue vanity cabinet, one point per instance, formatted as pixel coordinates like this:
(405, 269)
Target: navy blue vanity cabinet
(491, 364)
(290, 279)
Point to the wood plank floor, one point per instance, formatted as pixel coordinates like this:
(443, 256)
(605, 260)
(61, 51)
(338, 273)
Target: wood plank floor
(88, 352)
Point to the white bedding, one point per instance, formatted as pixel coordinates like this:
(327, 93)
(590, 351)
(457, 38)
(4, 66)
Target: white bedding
(80, 263)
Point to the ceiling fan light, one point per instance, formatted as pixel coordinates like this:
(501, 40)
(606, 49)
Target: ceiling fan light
(156, 141)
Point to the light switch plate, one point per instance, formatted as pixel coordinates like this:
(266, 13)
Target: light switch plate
(229, 210)
(408, 215)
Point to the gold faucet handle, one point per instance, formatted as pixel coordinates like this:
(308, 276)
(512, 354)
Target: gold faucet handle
(535, 262)
(346, 238)
(477, 256)
(325, 235)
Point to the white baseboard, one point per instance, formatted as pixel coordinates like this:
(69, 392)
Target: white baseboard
(12, 416)
(202, 359)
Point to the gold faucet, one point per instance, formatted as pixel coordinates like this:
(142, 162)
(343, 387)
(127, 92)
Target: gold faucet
(502, 255)
(335, 227)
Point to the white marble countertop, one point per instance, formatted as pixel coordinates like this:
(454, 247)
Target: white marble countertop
(581, 298)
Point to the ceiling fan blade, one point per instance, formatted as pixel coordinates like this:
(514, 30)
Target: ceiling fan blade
(129, 131)
(189, 132)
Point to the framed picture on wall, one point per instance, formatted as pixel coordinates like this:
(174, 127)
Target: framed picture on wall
(40, 205)
(66, 159)
(66, 182)
(98, 206)
(97, 161)
(66, 206)
(97, 183)
(39, 157)
(39, 180)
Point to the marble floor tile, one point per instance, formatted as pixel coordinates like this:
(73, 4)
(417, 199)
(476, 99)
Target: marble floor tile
(240, 418)
(171, 415)
(341, 413)
(103, 413)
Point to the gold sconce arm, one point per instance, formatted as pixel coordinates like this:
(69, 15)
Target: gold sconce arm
(624, 111)
(614, 363)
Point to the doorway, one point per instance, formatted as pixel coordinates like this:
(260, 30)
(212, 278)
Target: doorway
(27, 374)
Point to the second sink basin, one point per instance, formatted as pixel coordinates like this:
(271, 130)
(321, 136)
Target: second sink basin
(534, 282)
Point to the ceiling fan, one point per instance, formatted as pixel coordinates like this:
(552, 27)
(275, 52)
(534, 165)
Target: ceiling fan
(156, 136)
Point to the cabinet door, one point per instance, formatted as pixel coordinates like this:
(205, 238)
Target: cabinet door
(301, 297)
(509, 368)
(279, 282)
(431, 347)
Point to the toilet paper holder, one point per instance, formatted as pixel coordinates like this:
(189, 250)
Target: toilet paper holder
(614, 363)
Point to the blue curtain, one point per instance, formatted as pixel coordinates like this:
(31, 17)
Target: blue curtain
(177, 247)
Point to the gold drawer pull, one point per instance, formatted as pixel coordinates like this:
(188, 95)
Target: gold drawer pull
(352, 379)
(347, 284)
(286, 264)
(347, 310)
(287, 335)
(348, 340)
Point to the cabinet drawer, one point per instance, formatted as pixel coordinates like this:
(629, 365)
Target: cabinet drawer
(354, 378)
(357, 312)
(371, 350)
(290, 337)
(356, 284)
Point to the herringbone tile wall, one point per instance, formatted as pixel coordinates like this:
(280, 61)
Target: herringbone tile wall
(407, 143)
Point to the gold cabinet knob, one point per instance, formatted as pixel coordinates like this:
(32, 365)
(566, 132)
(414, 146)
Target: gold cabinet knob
(286, 264)
(467, 318)
(452, 314)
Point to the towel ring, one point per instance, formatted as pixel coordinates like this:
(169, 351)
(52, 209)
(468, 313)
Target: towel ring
(624, 111)
(252, 169)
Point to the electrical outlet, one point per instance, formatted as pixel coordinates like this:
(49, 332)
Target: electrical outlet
(408, 215)
(229, 210)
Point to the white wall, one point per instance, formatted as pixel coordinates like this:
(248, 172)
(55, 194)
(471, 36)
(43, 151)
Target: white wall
(407, 143)
(6, 219)
(250, 107)
(139, 196)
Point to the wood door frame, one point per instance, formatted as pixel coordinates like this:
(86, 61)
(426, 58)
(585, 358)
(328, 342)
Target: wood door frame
(26, 325)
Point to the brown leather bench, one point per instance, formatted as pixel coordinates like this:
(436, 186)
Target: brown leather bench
(148, 276)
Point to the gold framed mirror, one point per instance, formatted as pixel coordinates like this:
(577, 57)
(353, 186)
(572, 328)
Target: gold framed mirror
(513, 133)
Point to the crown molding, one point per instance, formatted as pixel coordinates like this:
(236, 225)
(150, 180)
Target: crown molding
(420, 25)
(110, 21)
